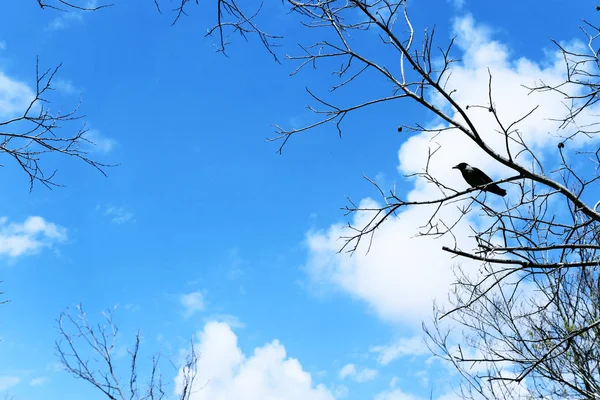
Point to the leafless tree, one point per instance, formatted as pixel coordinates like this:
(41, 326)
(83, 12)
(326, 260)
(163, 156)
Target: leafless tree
(63, 5)
(529, 318)
(35, 133)
(230, 18)
(530, 315)
(87, 352)
(541, 345)
(533, 321)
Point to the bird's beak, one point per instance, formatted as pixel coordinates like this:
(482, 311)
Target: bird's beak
(455, 167)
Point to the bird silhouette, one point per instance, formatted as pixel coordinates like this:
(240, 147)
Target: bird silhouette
(476, 177)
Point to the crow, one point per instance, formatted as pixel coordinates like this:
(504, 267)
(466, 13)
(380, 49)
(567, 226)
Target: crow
(476, 177)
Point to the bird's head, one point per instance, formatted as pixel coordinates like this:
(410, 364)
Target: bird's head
(461, 167)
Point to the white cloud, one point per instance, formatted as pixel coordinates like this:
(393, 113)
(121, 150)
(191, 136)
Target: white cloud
(458, 4)
(99, 142)
(358, 375)
(70, 16)
(347, 370)
(117, 215)
(340, 391)
(63, 21)
(403, 274)
(54, 367)
(192, 302)
(423, 375)
(406, 346)
(225, 373)
(236, 262)
(396, 394)
(393, 382)
(365, 375)
(455, 396)
(39, 381)
(6, 382)
(132, 307)
(231, 320)
(29, 237)
(400, 276)
(64, 86)
(15, 96)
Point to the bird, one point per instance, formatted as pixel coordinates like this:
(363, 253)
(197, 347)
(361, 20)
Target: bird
(476, 177)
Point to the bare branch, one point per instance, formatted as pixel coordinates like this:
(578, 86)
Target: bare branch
(87, 352)
(35, 133)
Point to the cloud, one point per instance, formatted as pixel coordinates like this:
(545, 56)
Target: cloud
(99, 142)
(6, 382)
(365, 374)
(340, 391)
(411, 346)
(455, 396)
(400, 276)
(231, 320)
(42, 380)
(396, 394)
(117, 215)
(15, 96)
(54, 367)
(457, 4)
(403, 273)
(225, 373)
(423, 375)
(347, 370)
(69, 17)
(29, 237)
(132, 307)
(360, 376)
(65, 20)
(192, 302)
(235, 270)
(64, 86)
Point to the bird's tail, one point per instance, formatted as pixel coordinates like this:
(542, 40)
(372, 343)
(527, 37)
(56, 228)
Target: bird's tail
(496, 190)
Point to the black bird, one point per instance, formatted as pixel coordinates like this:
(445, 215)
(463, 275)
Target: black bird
(476, 177)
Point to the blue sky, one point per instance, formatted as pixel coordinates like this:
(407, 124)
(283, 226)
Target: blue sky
(203, 230)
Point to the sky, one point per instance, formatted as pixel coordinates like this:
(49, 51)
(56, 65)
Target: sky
(204, 232)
